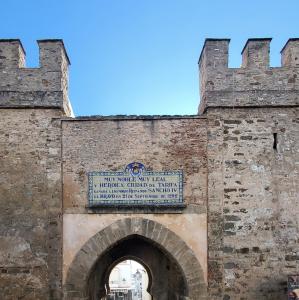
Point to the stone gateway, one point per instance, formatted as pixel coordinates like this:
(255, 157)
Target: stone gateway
(207, 203)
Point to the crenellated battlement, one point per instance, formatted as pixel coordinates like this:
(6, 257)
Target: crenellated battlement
(255, 83)
(45, 86)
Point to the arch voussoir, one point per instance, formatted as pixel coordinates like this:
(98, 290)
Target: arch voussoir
(161, 235)
(137, 226)
(126, 226)
(179, 252)
(172, 243)
(149, 229)
(156, 232)
(85, 260)
(76, 279)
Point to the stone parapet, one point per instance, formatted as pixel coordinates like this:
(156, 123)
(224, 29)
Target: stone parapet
(45, 86)
(255, 83)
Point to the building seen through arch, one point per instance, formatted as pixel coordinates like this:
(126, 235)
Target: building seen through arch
(128, 280)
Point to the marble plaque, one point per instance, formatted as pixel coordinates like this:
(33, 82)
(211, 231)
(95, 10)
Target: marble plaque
(135, 186)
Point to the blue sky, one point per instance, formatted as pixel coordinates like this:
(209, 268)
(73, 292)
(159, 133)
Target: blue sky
(140, 56)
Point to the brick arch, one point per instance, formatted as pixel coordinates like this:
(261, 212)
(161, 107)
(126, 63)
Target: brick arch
(158, 234)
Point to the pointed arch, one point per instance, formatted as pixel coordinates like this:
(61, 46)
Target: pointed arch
(158, 234)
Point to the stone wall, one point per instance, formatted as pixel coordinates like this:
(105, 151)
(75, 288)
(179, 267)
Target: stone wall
(30, 204)
(253, 221)
(253, 156)
(109, 144)
(239, 158)
(32, 102)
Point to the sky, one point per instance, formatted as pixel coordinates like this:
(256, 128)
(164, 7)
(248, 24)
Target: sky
(140, 56)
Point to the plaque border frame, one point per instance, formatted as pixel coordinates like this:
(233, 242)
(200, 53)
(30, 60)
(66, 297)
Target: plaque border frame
(161, 203)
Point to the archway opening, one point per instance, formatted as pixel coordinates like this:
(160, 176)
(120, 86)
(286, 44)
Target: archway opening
(129, 280)
(166, 279)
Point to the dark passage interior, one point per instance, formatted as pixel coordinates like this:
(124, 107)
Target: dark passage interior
(166, 280)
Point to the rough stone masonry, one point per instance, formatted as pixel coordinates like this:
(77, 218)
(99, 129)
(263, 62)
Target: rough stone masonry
(236, 236)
